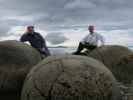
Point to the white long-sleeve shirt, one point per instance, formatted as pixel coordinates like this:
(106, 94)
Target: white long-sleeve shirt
(93, 39)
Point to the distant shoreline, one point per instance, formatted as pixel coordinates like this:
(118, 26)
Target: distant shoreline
(130, 47)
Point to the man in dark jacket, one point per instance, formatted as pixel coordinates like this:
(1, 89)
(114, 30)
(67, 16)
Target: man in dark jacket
(36, 40)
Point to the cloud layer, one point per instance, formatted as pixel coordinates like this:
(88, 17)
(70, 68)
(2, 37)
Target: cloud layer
(68, 17)
(56, 38)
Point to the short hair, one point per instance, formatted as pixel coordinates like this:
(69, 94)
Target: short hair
(91, 26)
(28, 27)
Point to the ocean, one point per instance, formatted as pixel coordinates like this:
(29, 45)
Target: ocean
(62, 50)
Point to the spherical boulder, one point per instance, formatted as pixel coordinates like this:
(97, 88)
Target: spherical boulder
(110, 56)
(16, 59)
(70, 78)
(125, 69)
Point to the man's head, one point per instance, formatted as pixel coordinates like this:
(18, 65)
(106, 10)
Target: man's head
(30, 29)
(91, 29)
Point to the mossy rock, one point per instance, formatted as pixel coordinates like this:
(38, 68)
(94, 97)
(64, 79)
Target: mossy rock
(70, 78)
(110, 56)
(16, 59)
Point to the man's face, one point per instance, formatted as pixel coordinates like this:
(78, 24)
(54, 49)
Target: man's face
(91, 29)
(30, 29)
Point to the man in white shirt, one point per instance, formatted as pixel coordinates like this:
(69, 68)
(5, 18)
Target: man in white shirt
(91, 41)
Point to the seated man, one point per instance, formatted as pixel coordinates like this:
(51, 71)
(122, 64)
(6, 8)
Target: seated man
(90, 42)
(36, 40)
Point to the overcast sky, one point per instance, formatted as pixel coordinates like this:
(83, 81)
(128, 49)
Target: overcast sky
(67, 20)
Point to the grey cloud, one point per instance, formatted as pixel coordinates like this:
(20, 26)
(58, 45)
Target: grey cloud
(69, 14)
(6, 25)
(56, 38)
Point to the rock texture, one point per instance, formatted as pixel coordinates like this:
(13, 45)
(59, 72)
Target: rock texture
(70, 78)
(126, 91)
(110, 56)
(16, 59)
(125, 66)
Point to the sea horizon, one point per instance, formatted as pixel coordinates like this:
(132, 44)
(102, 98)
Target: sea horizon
(69, 50)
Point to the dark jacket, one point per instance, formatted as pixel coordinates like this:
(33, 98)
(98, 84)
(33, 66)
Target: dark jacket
(36, 41)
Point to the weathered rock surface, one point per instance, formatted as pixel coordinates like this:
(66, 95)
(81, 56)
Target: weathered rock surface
(125, 66)
(16, 59)
(110, 56)
(70, 78)
(126, 91)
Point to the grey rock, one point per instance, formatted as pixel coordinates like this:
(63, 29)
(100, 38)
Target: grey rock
(16, 59)
(126, 92)
(111, 56)
(70, 78)
(125, 66)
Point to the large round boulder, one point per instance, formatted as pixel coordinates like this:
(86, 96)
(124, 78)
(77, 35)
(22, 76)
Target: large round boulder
(16, 59)
(125, 69)
(70, 78)
(110, 56)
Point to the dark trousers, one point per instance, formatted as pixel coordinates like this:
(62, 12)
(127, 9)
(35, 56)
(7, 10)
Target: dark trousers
(82, 46)
(44, 52)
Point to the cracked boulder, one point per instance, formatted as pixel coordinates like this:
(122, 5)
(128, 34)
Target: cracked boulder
(16, 59)
(70, 78)
(110, 56)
